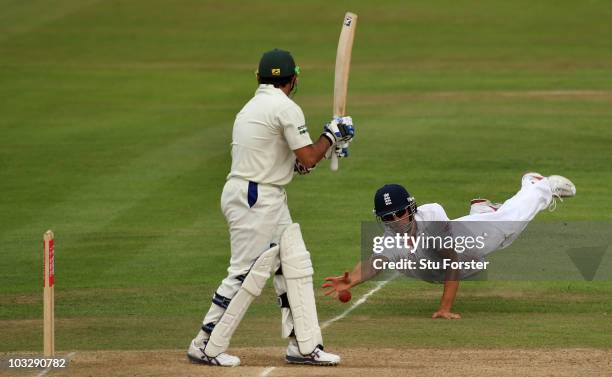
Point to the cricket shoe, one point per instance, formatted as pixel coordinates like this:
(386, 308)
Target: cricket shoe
(561, 187)
(197, 356)
(316, 357)
(480, 205)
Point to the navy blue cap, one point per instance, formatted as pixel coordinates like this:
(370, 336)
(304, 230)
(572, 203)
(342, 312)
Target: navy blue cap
(276, 64)
(391, 198)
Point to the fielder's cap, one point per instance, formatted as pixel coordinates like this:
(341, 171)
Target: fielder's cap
(277, 64)
(391, 198)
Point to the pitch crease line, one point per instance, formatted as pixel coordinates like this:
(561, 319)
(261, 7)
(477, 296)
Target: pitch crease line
(46, 370)
(357, 303)
(266, 371)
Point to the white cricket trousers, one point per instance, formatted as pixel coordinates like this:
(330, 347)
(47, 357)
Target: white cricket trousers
(503, 226)
(257, 215)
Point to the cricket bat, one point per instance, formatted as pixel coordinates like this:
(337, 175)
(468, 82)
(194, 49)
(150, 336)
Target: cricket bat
(343, 65)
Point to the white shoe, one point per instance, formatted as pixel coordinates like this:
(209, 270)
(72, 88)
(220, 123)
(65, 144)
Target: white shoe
(479, 205)
(317, 357)
(196, 355)
(561, 186)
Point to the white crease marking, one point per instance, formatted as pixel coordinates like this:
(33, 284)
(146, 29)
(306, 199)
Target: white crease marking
(266, 371)
(46, 370)
(357, 303)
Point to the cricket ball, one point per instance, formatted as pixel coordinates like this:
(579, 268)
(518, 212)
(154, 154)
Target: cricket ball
(344, 296)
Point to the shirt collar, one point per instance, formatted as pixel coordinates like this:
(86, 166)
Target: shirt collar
(269, 88)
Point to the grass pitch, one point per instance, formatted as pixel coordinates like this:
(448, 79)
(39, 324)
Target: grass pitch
(116, 121)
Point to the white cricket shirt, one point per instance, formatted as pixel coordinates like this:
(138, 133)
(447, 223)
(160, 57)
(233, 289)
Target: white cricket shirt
(266, 132)
(431, 220)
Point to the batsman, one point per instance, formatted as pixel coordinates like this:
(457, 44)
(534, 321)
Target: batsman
(270, 143)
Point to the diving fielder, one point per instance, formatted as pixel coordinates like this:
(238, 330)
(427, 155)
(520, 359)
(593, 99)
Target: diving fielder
(499, 224)
(270, 140)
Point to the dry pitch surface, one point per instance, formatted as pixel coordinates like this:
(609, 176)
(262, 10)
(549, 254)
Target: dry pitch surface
(356, 362)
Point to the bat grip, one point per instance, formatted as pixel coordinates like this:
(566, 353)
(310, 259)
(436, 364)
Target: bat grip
(334, 160)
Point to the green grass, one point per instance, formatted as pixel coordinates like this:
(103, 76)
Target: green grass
(116, 122)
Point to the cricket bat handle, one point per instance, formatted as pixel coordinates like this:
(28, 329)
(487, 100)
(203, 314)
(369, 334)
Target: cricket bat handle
(334, 159)
(334, 156)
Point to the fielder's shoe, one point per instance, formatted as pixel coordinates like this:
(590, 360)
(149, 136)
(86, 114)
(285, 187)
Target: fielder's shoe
(483, 206)
(196, 355)
(561, 187)
(317, 357)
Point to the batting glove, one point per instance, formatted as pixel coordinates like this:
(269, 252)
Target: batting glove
(339, 130)
(342, 150)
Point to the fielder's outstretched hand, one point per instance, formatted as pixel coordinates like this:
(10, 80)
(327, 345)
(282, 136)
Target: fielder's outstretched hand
(446, 314)
(336, 284)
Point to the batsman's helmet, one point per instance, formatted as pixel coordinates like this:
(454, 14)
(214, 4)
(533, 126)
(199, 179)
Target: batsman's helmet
(277, 65)
(393, 198)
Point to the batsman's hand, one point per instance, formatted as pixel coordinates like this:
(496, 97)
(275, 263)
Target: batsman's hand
(336, 284)
(342, 149)
(300, 169)
(339, 130)
(445, 314)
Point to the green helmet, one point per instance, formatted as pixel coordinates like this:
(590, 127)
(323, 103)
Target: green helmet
(277, 64)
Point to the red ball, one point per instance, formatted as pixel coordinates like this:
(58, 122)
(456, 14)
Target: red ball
(344, 296)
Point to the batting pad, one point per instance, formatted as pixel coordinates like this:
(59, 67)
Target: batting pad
(251, 287)
(298, 271)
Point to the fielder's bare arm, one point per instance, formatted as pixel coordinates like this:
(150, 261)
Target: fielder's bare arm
(397, 210)
(270, 141)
